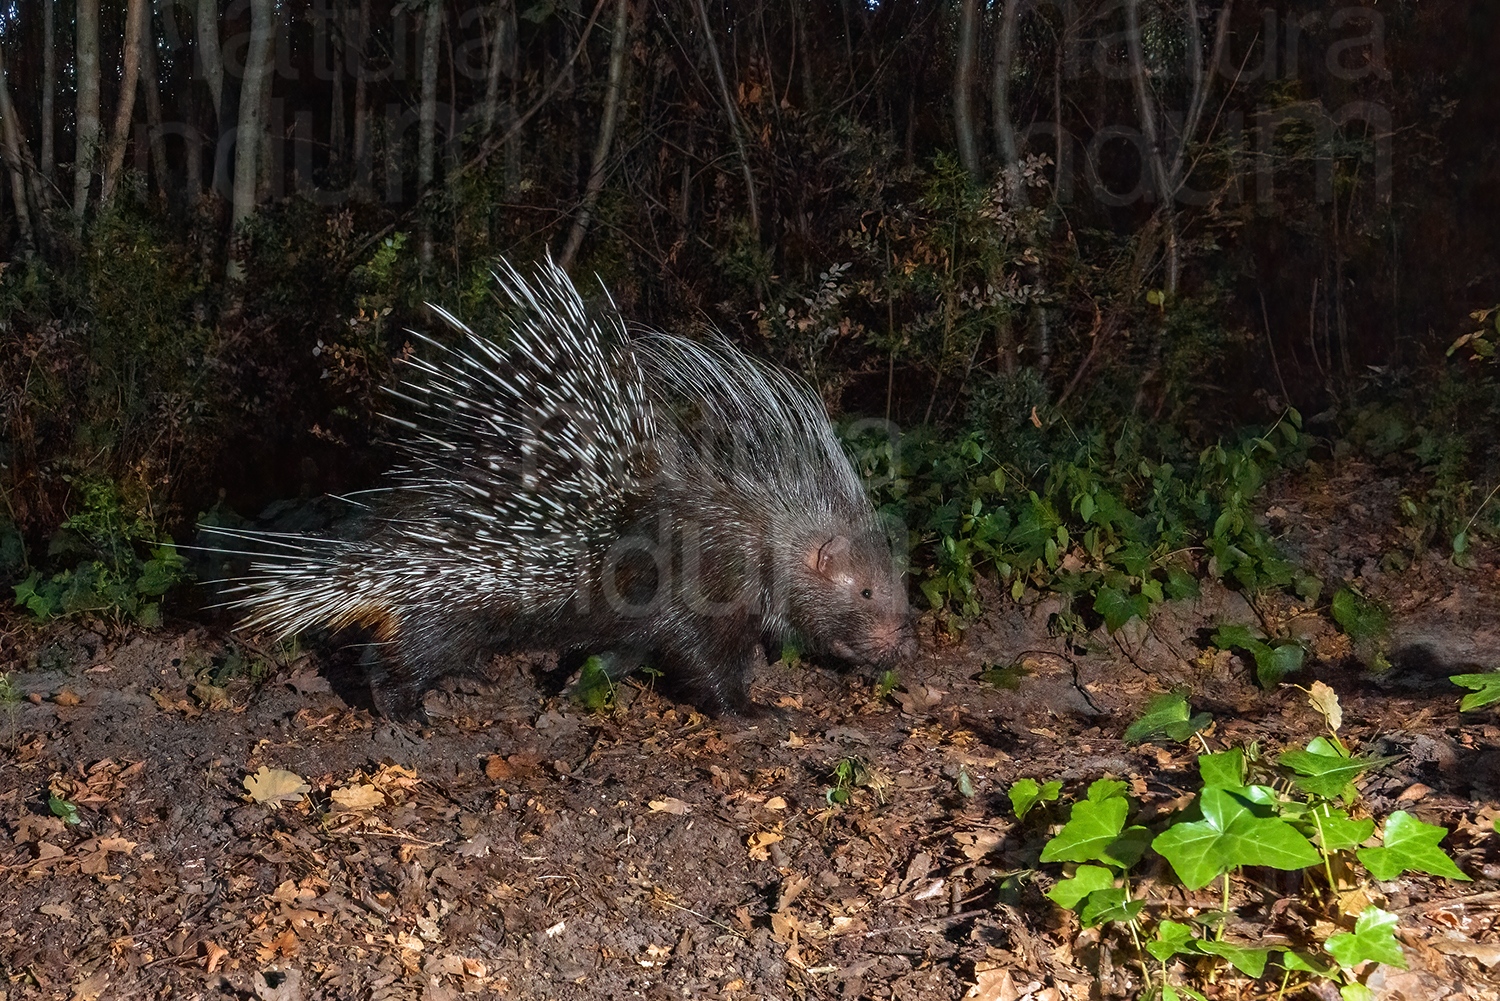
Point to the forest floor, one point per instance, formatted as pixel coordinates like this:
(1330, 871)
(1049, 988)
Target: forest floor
(523, 846)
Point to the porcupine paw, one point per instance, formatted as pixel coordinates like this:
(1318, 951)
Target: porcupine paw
(401, 704)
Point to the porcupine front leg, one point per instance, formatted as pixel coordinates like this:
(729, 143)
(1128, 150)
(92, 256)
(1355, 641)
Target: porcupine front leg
(711, 665)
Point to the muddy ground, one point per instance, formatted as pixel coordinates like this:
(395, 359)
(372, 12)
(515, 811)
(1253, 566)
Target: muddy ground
(523, 846)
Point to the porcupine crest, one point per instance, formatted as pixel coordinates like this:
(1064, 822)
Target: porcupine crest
(516, 459)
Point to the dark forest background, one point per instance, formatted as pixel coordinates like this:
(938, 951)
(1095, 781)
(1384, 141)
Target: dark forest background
(1132, 226)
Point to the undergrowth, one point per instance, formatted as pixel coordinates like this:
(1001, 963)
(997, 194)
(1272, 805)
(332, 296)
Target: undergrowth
(1298, 811)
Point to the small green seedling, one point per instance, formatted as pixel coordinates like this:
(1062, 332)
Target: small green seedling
(1272, 663)
(1027, 793)
(1485, 689)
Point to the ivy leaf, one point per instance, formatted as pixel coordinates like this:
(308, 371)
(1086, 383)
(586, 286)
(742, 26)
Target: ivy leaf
(1373, 938)
(1109, 905)
(1486, 688)
(1249, 961)
(1085, 880)
(1167, 715)
(1358, 616)
(1027, 793)
(1225, 769)
(1234, 832)
(1409, 845)
(1118, 608)
(1091, 828)
(1278, 663)
(1336, 831)
(1327, 773)
(1172, 938)
(1181, 584)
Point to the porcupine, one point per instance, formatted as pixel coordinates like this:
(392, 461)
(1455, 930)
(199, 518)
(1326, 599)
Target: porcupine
(591, 487)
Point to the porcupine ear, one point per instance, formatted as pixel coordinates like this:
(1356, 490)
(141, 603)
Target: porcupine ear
(831, 557)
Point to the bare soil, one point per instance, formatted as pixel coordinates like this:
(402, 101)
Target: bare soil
(522, 846)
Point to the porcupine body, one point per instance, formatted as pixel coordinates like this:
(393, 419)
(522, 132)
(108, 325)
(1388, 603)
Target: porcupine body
(587, 487)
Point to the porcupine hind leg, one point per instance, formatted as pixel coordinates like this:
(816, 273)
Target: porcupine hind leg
(426, 649)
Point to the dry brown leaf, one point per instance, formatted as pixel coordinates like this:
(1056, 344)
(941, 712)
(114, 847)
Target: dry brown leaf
(977, 844)
(358, 797)
(213, 955)
(672, 805)
(274, 786)
(1326, 701)
(760, 844)
(92, 986)
(993, 985)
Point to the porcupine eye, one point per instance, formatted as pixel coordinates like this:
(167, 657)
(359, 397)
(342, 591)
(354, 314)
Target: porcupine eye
(866, 594)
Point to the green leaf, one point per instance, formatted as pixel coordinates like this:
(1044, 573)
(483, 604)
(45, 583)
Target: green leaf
(1358, 616)
(1325, 774)
(1486, 687)
(1103, 789)
(1167, 715)
(1225, 769)
(1336, 831)
(1355, 991)
(63, 808)
(1109, 905)
(1235, 831)
(1276, 664)
(1027, 793)
(1249, 961)
(1084, 881)
(1181, 584)
(1232, 636)
(1172, 939)
(1093, 827)
(1409, 845)
(1373, 938)
(1117, 608)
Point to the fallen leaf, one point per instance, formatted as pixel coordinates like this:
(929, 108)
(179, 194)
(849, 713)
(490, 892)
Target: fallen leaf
(993, 985)
(760, 844)
(977, 844)
(358, 797)
(213, 955)
(273, 786)
(93, 986)
(309, 682)
(671, 805)
(57, 911)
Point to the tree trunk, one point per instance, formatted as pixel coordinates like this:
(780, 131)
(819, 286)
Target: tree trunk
(209, 55)
(135, 18)
(16, 159)
(502, 61)
(363, 153)
(258, 65)
(151, 90)
(612, 93)
(963, 86)
(336, 128)
(49, 86)
(1005, 127)
(432, 23)
(735, 126)
(87, 138)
